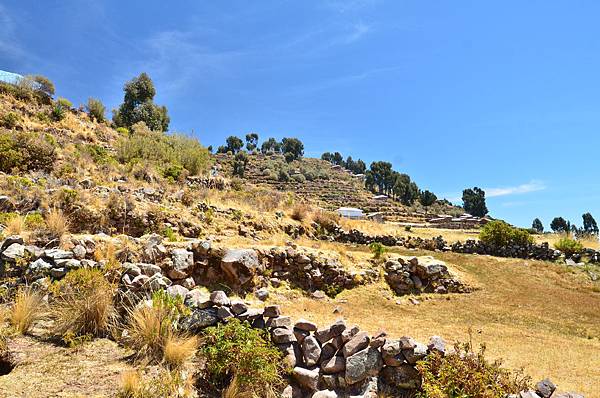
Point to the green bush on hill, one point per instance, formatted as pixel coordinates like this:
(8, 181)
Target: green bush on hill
(568, 246)
(23, 151)
(499, 233)
(164, 151)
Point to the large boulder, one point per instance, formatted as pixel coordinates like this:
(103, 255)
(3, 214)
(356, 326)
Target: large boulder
(240, 266)
(545, 388)
(311, 351)
(13, 252)
(363, 364)
(199, 319)
(333, 365)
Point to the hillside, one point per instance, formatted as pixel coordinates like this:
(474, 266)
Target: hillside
(329, 187)
(126, 271)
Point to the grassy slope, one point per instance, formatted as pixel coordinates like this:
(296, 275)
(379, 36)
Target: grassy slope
(533, 314)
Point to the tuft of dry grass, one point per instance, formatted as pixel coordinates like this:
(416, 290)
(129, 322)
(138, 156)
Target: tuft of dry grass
(15, 226)
(299, 212)
(179, 350)
(57, 223)
(148, 331)
(83, 305)
(131, 385)
(27, 309)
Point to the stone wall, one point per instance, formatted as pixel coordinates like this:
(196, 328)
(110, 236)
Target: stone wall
(532, 251)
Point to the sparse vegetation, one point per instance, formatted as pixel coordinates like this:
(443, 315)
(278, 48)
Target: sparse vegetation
(377, 249)
(23, 151)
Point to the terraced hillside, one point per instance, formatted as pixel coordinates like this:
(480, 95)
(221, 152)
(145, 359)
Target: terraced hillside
(329, 187)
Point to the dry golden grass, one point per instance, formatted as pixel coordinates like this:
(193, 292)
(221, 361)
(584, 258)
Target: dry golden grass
(536, 315)
(83, 304)
(148, 331)
(131, 384)
(27, 309)
(57, 223)
(15, 226)
(178, 350)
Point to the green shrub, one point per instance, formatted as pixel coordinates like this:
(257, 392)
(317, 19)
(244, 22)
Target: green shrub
(464, 373)
(173, 172)
(98, 153)
(64, 103)
(568, 246)
(58, 113)
(237, 350)
(162, 150)
(377, 249)
(123, 130)
(170, 234)
(10, 120)
(96, 110)
(299, 178)
(283, 176)
(24, 151)
(499, 233)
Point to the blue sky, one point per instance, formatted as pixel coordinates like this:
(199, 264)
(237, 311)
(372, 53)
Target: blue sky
(503, 95)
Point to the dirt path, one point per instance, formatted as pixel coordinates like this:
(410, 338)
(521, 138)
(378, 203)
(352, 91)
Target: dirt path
(45, 370)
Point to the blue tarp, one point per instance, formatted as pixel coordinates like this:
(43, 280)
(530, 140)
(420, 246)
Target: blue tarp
(9, 77)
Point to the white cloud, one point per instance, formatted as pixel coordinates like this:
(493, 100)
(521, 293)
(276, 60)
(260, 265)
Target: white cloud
(532, 186)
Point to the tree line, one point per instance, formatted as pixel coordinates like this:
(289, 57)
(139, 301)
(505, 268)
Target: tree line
(561, 225)
(291, 148)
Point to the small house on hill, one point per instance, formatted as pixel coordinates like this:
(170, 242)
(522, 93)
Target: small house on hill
(376, 217)
(9, 77)
(351, 212)
(380, 197)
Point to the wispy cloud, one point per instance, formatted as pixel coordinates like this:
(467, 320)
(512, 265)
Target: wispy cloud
(357, 32)
(178, 58)
(531, 186)
(10, 48)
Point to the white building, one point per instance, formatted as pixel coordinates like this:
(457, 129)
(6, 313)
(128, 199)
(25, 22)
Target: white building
(350, 212)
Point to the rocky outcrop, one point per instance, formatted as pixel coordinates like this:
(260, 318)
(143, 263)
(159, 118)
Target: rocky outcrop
(411, 275)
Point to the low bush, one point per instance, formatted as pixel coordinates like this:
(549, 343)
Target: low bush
(10, 120)
(82, 305)
(568, 246)
(24, 151)
(64, 103)
(58, 112)
(326, 219)
(499, 233)
(27, 309)
(162, 150)
(96, 110)
(236, 350)
(377, 249)
(299, 212)
(465, 373)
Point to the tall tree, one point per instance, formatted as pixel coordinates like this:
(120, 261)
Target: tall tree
(292, 148)
(474, 202)
(537, 225)
(559, 224)
(427, 198)
(251, 141)
(234, 144)
(327, 156)
(138, 106)
(337, 159)
(589, 224)
(270, 146)
(381, 172)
